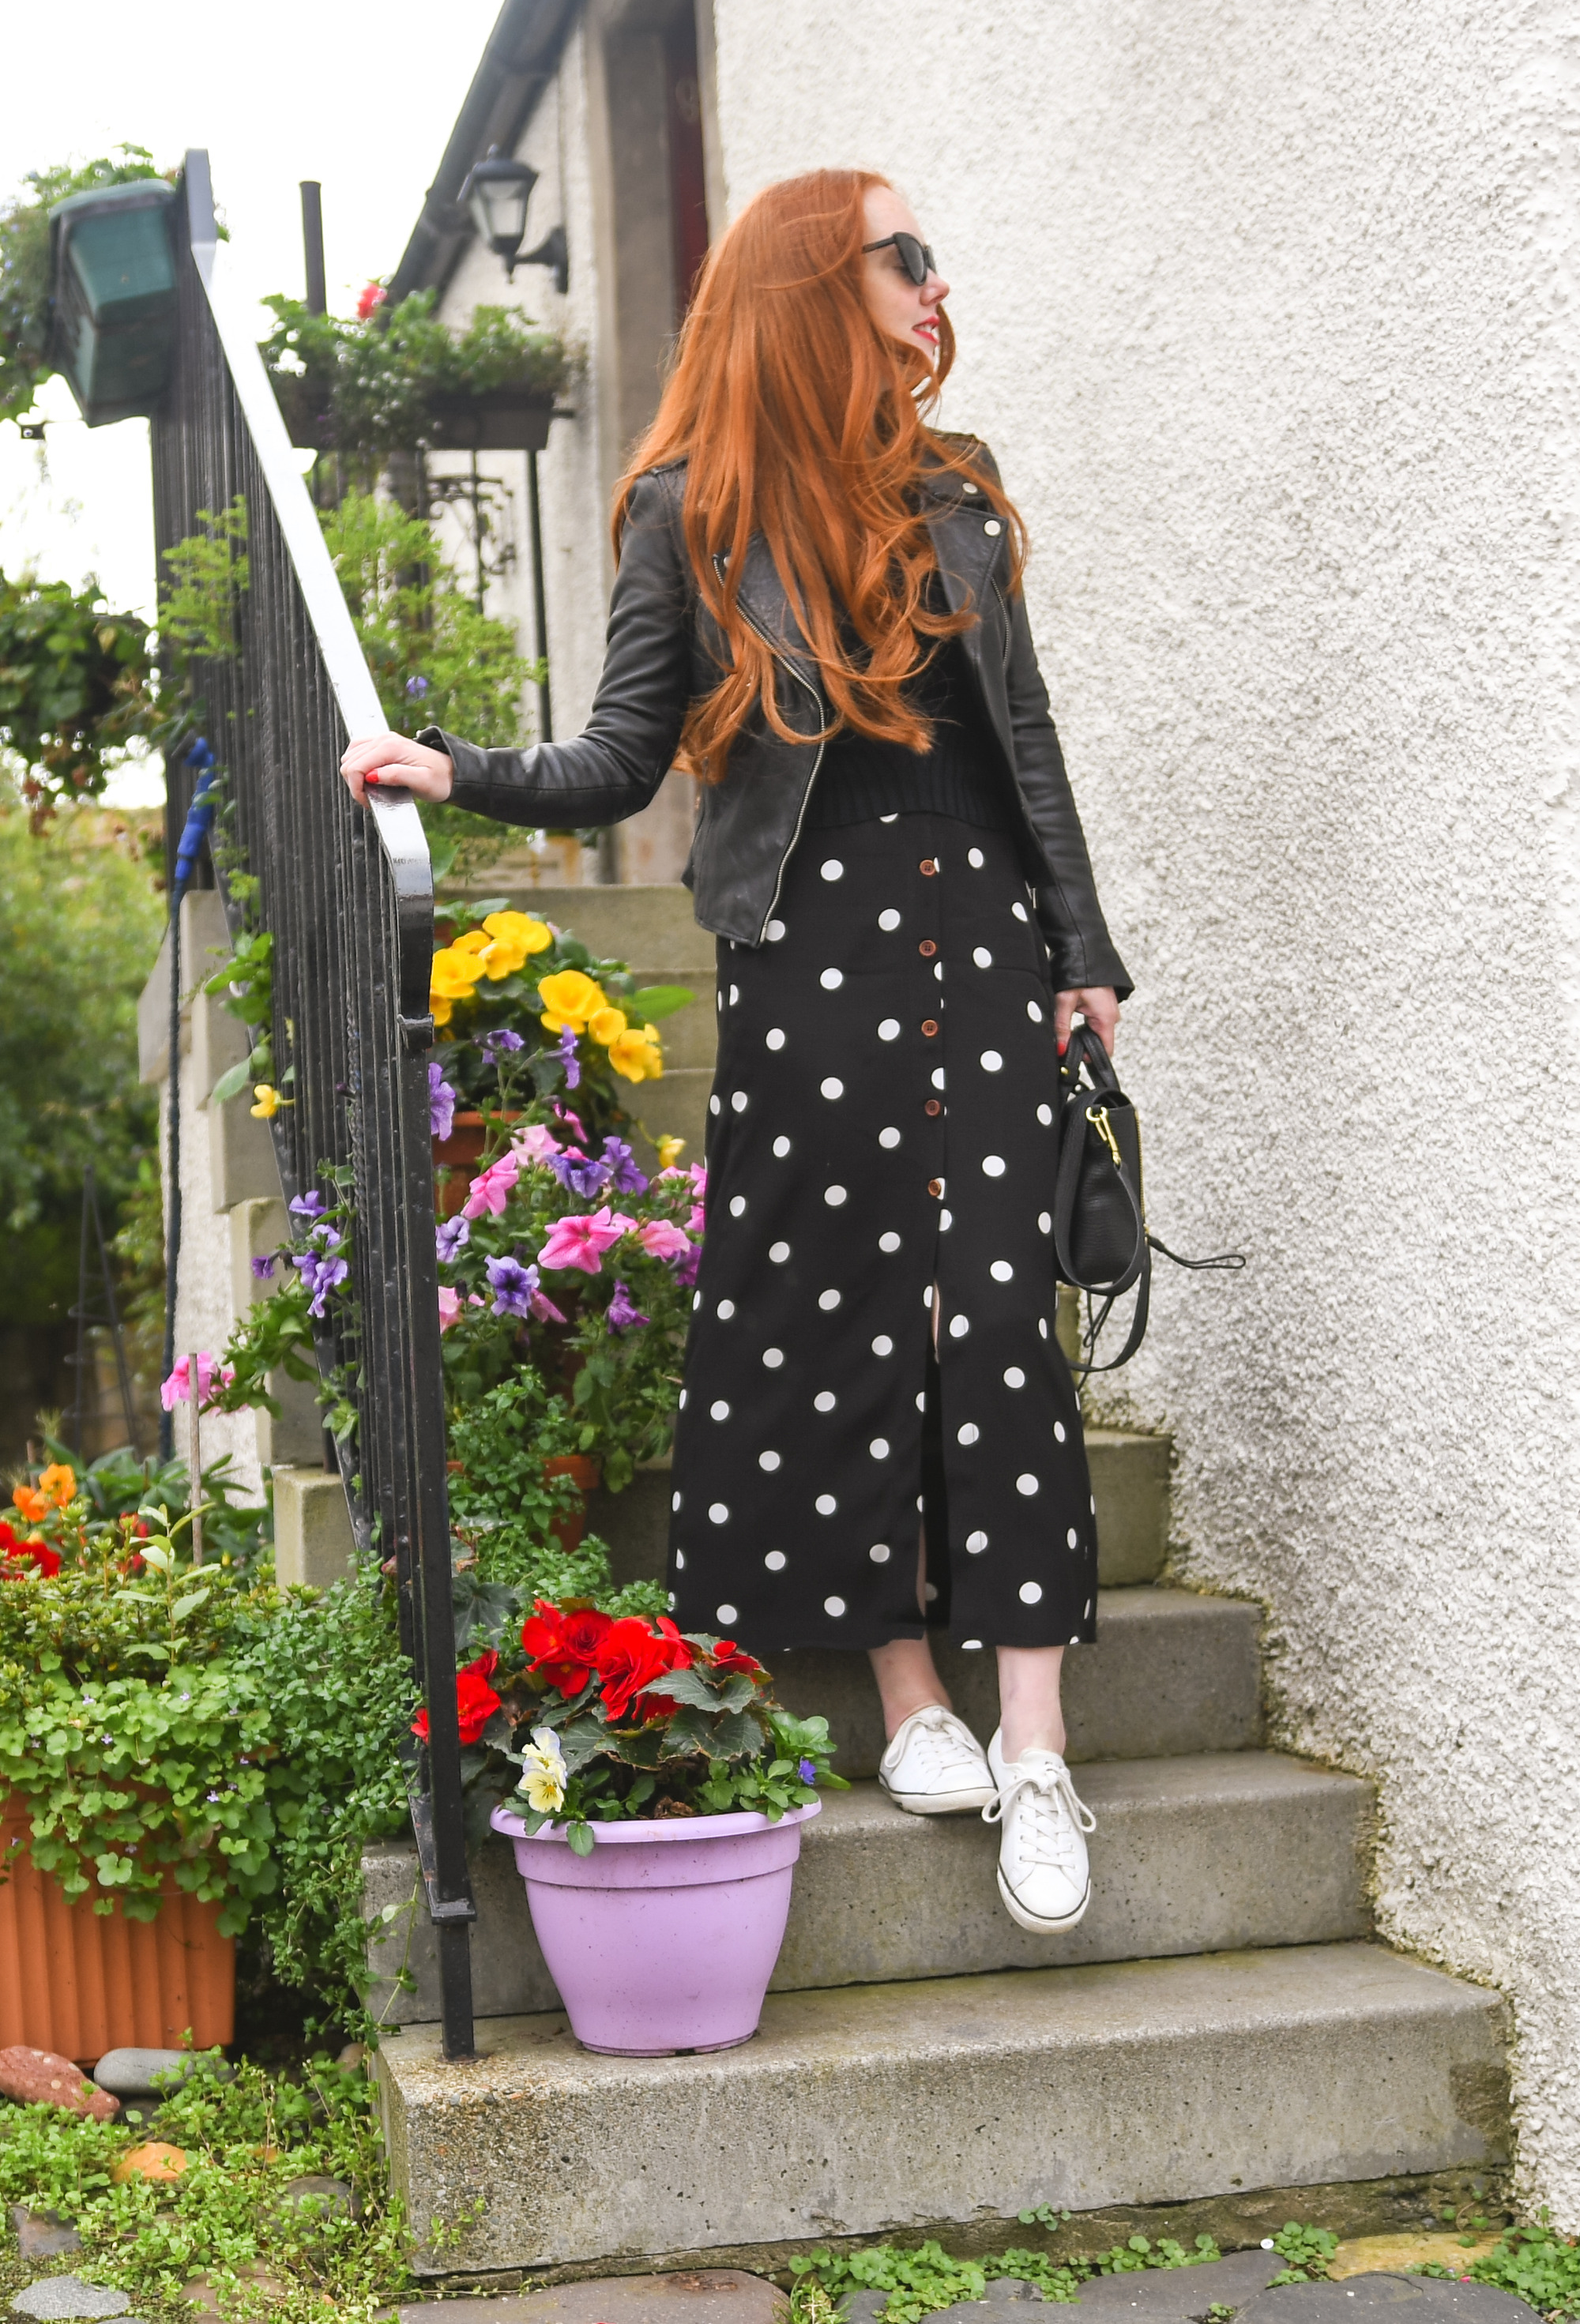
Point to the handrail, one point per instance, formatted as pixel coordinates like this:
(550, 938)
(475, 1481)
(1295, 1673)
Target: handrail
(347, 895)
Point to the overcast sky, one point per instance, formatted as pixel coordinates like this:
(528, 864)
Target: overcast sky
(361, 98)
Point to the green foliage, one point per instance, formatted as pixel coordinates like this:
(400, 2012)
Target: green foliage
(74, 689)
(246, 2136)
(1305, 2252)
(1530, 2262)
(435, 660)
(206, 577)
(24, 265)
(79, 928)
(366, 388)
(920, 2282)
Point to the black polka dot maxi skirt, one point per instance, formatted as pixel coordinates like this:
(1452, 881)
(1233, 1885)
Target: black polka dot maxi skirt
(883, 1121)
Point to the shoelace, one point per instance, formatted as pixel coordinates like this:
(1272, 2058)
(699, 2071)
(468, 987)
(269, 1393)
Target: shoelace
(1056, 1810)
(935, 1738)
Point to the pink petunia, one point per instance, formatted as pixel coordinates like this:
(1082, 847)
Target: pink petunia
(582, 1241)
(490, 1188)
(661, 1238)
(178, 1388)
(534, 1144)
(450, 1307)
(696, 1219)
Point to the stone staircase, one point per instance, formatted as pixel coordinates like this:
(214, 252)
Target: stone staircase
(1218, 2046)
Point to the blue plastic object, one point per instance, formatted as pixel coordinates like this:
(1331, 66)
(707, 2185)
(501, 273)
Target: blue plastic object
(199, 815)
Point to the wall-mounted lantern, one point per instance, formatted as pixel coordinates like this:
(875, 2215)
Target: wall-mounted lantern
(497, 192)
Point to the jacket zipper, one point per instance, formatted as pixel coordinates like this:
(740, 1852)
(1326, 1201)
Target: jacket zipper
(818, 761)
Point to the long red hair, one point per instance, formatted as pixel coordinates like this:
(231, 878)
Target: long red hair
(800, 419)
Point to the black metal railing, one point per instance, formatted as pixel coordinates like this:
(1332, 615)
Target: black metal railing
(348, 897)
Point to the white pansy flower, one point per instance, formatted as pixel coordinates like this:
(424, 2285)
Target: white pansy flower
(543, 1772)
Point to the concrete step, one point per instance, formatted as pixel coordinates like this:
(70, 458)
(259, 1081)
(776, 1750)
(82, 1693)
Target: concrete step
(898, 2109)
(1171, 1673)
(1190, 1855)
(1130, 1483)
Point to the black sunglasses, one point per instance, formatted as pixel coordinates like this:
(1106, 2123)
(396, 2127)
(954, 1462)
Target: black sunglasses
(915, 256)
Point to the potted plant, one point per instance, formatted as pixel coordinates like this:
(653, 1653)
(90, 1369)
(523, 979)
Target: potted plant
(656, 1821)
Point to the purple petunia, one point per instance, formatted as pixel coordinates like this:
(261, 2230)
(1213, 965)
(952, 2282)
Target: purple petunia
(687, 1265)
(623, 1314)
(502, 1042)
(264, 1265)
(451, 1237)
(320, 1271)
(624, 1178)
(806, 1771)
(416, 688)
(512, 1286)
(567, 1057)
(310, 1205)
(441, 1104)
(582, 1173)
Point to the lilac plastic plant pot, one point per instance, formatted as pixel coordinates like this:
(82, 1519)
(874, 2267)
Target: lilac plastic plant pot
(665, 1937)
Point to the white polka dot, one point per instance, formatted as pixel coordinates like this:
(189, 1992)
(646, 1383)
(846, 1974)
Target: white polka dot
(833, 1196)
(768, 1460)
(946, 1221)
(889, 1030)
(981, 957)
(1026, 1484)
(971, 1646)
(835, 1606)
(734, 995)
(1019, 910)
(927, 1297)
(976, 1543)
(1001, 1270)
(993, 1166)
(831, 979)
(937, 1077)
(773, 1038)
(930, 1591)
(1034, 1013)
(1031, 1593)
(779, 1252)
(1014, 1377)
(939, 972)
(1072, 1539)
(890, 1241)
(969, 1434)
(1045, 1115)
(888, 921)
(991, 1063)
(714, 1106)
(680, 1567)
(739, 1101)
(674, 1500)
(921, 1401)
(878, 1448)
(879, 1552)
(726, 1615)
(724, 1310)
(888, 1139)
(1042, 1327)
(774, 1560)
(718, 1514)
(832, 868)
(720, 1411)
(958, 1326)
(833, 1087)
(974, 856)
(827, 1301)
(992, 527)
(773, 1358)
(1059, 1432)
(680, 1399)
(889, 818)
(774, 931)
(826, 1505)
(824, 1400)
(737, 1206)
(781, 1146)
(882, 1345)
(1044, 1222)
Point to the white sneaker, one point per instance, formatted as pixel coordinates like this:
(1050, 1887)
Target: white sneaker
(1044, 1877)
(935, 1766)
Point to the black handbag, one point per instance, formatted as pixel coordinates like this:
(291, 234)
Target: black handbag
(1102, 1245)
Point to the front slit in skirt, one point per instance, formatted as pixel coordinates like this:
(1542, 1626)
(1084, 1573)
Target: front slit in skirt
(883, 1121)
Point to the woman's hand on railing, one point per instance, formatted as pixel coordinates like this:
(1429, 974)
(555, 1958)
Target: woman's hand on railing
(390, 761)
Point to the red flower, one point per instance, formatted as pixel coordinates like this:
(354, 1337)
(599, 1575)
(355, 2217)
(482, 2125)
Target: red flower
(475, 1701)
(38, 1553)
(373, 296)
(727, 1656)
(563, 1648)
(632, 1658)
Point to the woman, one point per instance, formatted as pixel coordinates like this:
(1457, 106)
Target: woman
(818, 612)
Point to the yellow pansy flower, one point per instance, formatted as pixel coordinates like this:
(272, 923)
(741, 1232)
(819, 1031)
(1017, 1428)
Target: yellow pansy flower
(570, 998)
(473, 941)
(670, 1150)
(443, 1009)
(543, 1772)
(607, 1025)
(269, 1101)
(520, 930)
(637, 1054)
(455, 972)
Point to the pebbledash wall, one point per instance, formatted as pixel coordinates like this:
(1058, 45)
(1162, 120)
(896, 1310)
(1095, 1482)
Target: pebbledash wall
(1271, 315)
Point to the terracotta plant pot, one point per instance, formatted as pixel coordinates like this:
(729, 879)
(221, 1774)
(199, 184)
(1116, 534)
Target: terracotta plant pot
(585, 1474)
(80, 1983)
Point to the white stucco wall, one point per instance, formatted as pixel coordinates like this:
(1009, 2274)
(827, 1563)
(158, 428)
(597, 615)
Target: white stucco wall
(1268, 313)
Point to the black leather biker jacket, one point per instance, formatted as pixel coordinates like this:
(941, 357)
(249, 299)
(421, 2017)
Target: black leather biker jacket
(664, 649)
